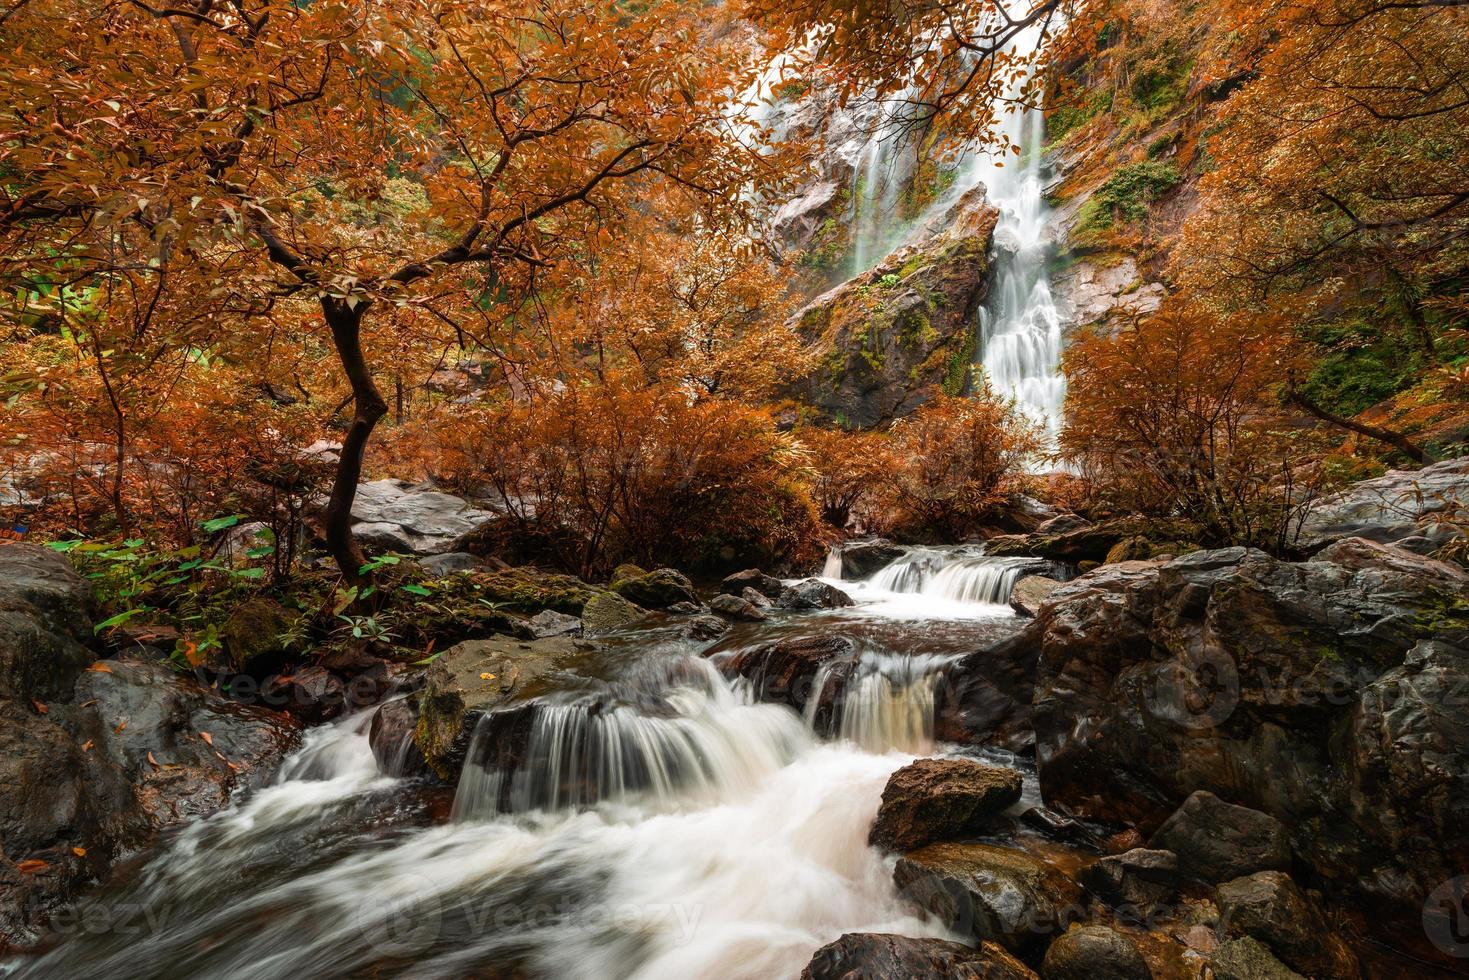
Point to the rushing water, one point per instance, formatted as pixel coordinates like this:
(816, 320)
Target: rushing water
(658, 823)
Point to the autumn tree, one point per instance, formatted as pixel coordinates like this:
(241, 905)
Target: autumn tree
(393, 165)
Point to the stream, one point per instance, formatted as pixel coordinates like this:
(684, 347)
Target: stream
(687, 831)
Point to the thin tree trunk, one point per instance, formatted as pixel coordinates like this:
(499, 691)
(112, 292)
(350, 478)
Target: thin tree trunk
(368, 407)
(1395, 439)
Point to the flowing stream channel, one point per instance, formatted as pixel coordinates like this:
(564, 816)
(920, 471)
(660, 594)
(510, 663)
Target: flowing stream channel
(673, 827)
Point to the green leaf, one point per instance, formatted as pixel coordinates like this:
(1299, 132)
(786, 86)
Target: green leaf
(248, 573)
(63, 546)
(119, 619)
(417, 589)
(261, 551)
(220, 523)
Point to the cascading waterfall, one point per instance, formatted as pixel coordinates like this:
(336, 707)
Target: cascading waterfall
(887, 702)
(833, 567)
(701, 735)
(960, 576)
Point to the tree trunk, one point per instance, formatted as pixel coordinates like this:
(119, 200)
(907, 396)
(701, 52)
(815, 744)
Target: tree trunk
(1395, 439)
(345, 322)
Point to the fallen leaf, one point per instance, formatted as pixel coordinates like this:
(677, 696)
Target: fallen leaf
(120, 726)
(208, 738)
(100, 668)
(87, 704)
(87, 745)
(40, 708)
(153, 762)
(486, 677)
(80, 852)
(31, 866)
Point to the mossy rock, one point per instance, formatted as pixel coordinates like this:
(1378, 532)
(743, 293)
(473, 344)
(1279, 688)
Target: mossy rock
(530, 590)
(608, 612)
(251, 637)
(625, 572)
(655, 590)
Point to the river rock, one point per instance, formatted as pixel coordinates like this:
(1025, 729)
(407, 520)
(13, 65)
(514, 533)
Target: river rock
(876, 956)
(44, 623)
(785, 671)
(250, 639)
(549, 622)
(608, 612)
(446, 564)
(737, 608)
(865, 558)
(705, 628)
(395, 515)
(813, 594)
(1273, 909)
(1134, 882)
(1216, 841)
(657, 589)
(941, 799)
(1315, 692)
(1062, 523)
(752, 578)
(390, 735)
(1085, 542)
(1247, 958)
(990, 893)
(479, 677)
(312, 694)
(1031, 592)
(1094, 953)
(756, 599)
(1397, 505)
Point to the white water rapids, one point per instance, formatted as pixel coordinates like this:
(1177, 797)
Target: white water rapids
(685, 831)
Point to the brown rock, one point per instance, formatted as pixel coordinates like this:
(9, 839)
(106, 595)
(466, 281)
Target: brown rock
(941, 799)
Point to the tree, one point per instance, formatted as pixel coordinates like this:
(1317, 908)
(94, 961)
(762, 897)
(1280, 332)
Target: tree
(391, 164)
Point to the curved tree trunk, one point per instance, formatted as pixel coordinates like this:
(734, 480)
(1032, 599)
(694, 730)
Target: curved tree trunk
(1395, 439)
(345, 322)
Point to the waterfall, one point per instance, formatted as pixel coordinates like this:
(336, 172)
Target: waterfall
(833, 567)
(958, 575)
(879, 177)
(1020, 328)
(699, 734)
(887, 703)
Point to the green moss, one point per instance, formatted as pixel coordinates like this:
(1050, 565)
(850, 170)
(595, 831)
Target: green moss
(1061, 121)
(961, 363)
(1126, 195)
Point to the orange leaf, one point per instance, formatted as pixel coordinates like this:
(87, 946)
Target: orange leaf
(40, 708)
(100, 668)
(80, 852)
(87, 745)
(208, 738)
(120, 726)
(153, 762)
(31, 866)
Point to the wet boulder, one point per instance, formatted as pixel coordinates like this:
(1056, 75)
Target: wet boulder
(1399, 505)
(479, 677)
(549, 622)
(250, 639)
(877, 956)
(530, 590)
(941, 799)
(705, 628)
(657, 589)
(1135, 881)
(391, 736)
(1272, 908)
(1031, 592)
(738, 609)
(1246, 958)
(449, 562)
(44, 623)
(990, 893)
(1078, 543)
(311, 694)
(755, 598)
(786, 671)
(1094, 953)
(752, 578)
(865, 558)
(813, 594)
(1216, 841)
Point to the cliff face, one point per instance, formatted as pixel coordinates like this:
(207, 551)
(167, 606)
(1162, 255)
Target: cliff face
(905, 328)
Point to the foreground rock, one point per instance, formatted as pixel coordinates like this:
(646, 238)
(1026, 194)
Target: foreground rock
(395, 515)
(813, 594)
(990, 893)
(44, 623)
(1399, 506)
(1134, 882)
(752, 578)
(1272, 908)
(1094, 953)
(1247, 958)
(941, 799)
(876, 956)
(1217, 841)
(737, 608)
(1320, 693)
(479, 677)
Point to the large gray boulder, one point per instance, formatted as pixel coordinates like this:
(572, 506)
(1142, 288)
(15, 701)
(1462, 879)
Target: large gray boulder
(395, 515)
(1398, 505)
(1217, 841)
(1272, 908)
(44, 622)
(1320, 693)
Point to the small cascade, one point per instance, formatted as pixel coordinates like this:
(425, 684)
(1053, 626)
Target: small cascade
(958, 575)
(699, 735)
(887, 702)
(833, 567)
